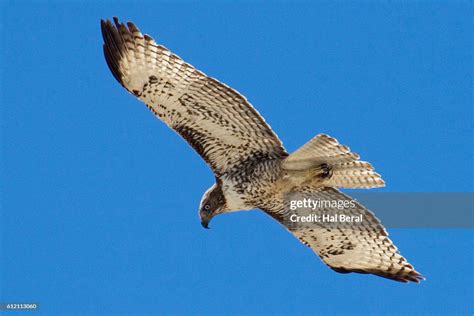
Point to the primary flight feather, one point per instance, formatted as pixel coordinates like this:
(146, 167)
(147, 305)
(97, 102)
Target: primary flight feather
(251, 167)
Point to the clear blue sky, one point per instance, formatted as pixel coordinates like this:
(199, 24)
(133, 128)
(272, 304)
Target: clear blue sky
(99, 199)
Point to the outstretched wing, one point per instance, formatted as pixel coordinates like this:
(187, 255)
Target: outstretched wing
(218, 122)
(362, 247)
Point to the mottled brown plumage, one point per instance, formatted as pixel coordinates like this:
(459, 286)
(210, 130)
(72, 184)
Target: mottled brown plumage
(252, 168)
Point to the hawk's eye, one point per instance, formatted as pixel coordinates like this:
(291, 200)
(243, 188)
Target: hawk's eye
(207, 207)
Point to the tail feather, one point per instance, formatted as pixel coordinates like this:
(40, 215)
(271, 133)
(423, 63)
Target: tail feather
(347, 170)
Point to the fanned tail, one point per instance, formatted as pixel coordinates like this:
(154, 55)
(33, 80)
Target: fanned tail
(346, 170)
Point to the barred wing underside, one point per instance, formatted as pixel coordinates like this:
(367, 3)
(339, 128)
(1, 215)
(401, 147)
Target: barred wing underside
(218, 122)
(362, 247)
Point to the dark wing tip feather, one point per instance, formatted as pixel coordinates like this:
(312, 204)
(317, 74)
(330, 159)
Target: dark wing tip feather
(113, 46)
(400, 276)
(132, 27)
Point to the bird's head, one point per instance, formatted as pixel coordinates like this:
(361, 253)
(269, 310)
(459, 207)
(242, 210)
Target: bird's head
(212, 203)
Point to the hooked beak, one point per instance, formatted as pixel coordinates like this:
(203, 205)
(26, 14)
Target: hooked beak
(205, 224)
(205, 219)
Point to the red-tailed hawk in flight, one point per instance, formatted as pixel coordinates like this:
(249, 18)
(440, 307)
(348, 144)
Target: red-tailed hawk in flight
(251, 167)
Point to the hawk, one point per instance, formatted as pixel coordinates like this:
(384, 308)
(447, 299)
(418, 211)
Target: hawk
(251, 167)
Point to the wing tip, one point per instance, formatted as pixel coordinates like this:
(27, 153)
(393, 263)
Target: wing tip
(113, 46)
(119, 39)
(402, 275)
